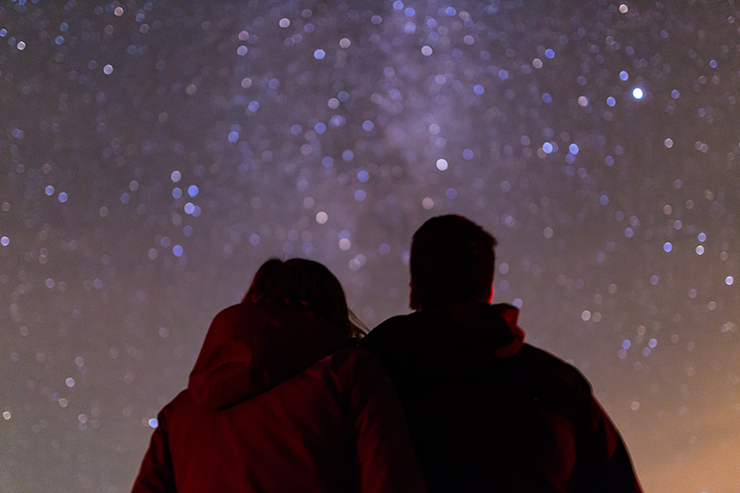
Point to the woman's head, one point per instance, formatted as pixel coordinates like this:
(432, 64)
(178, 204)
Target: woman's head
(303, 284)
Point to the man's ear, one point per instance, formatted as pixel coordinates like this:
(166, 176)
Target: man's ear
(413, 299)
(493, 291)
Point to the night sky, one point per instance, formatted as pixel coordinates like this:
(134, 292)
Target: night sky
(154, 154)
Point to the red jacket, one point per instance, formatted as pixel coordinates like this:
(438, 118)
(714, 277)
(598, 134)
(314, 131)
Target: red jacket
(279, 402)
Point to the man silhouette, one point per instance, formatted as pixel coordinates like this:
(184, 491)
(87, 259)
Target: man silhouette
(486, 411)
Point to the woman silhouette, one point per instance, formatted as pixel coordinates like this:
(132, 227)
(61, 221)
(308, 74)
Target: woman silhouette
(281, 399)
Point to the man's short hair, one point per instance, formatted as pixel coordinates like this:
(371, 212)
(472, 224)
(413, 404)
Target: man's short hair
(451, 261)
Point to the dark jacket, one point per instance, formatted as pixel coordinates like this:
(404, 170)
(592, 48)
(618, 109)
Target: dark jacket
(278, 401)
(490, 413)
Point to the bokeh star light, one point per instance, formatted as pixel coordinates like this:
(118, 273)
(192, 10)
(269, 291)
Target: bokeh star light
(154, 153)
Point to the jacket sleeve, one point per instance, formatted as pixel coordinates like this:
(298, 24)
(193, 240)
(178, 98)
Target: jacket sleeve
(386, 458)
(608, 467)
(156, 474)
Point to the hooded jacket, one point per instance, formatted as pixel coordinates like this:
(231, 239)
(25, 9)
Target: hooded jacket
(488, 412)
(278, 401)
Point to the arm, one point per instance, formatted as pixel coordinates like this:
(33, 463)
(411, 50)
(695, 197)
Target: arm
(386, 458)
(156, 474)
(610, 467)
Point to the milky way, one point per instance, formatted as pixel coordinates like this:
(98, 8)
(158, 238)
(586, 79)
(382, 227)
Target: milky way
(154, 154)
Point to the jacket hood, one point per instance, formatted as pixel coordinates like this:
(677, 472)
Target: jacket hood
(251, 348)
(465, 335)
(496, 324)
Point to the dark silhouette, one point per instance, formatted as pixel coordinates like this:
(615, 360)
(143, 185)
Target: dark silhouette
(282, 399)
(486, 411)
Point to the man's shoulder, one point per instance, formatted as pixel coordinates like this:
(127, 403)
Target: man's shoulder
(545, 363)
(409, 320)
(395, 330)
(351, 358)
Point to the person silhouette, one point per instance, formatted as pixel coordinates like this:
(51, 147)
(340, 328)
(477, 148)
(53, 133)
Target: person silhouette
(281, 398)
(486, 411)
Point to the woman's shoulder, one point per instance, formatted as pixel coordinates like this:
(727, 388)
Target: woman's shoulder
(183, 403)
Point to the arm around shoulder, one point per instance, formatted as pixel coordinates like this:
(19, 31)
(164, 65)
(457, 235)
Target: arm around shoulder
(386, 458)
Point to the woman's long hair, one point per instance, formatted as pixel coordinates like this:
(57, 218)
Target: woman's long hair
(304, 284)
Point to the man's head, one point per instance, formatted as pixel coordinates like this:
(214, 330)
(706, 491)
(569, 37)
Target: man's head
(451, 262)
